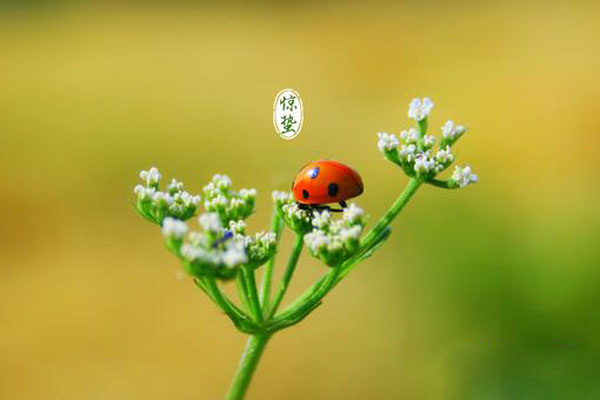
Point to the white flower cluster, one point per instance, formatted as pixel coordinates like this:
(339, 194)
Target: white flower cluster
(334, 241)
(217, 251)
(463, 176)
(420, 109)
(259, 247)
(156, 205)
(296, 218)
(228, 204)
(414, 150)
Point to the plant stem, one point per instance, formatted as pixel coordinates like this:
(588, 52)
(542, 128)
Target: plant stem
(252, 293)
(388, 217)
(287, 275)
(248, 363)
(265, 287)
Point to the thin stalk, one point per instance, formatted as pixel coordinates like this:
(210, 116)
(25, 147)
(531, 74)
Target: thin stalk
(243, 291)
(248, 362)
(388, 217)
(265, 287)
(252, 292)
(287, 275)
(218, 297)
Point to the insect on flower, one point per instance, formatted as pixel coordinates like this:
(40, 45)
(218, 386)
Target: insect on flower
(326, 181)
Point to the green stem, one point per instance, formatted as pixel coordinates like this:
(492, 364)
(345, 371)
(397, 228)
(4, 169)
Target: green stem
(388, 217)
(265, 287)
(252, 293)
(442, 184)
(254, 348)
(210, 287)
(287, 275)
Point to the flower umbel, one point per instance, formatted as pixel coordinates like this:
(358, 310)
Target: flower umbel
(228, 204)
(415, 152)
(156, 205)
(334, 241)
(296, 218)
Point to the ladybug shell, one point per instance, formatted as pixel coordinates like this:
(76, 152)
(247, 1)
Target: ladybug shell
(326, 181)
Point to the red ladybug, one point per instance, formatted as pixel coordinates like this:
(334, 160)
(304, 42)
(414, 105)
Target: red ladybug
(326, 181)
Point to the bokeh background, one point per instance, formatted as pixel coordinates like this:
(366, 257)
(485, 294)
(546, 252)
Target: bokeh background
(491, 292)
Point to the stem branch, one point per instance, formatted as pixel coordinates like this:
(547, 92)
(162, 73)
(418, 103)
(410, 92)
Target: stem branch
(287, 275)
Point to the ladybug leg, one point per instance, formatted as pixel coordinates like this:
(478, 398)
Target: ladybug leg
(303, 206)
(343, 204)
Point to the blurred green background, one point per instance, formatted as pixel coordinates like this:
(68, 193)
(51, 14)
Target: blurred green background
(491, 292)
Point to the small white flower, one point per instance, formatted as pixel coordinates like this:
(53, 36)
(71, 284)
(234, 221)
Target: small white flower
(386, 142)
(450, 130)
(463, 176)
(444, 156)
(279, 196)
(409, 136)
(420, 109)
(407, 152)
(175, 186)
(151, 177)
(248, 193)
(352, 233)
(353, 214)
(316, 240)
(428, 141)
(321, 219)
(237, 226)
(234, 256)
(423, 163)
(295, 212)
(162, 198)
(267, 238)
(222, 182)
(174, 228)
(210, 222)
(144, 193)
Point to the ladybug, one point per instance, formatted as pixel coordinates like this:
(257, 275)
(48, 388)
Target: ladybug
(326, 181)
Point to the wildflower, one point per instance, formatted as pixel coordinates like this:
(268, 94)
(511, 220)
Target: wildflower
(451, 132)
(321, 219)
(420, 109)
(428, 141)
(353, 214)
(296, 218)
(463, 176)
(234, 256)
(260, 248)
(175, 186)
(174, 228)
(386, 142)
(162, 198)
(423, 164)
(237, 227)
(334, 241)
(210, 222)
(407, 152)
(228, 204)
(444, 156)
(409, 136)
(156, 205)
(151, 177)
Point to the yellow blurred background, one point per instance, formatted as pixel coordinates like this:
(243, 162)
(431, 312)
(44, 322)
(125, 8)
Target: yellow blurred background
(491, 292)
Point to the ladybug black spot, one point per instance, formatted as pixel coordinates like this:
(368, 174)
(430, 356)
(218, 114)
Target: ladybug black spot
(305, 194)
(313, 173)
(332, 189)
